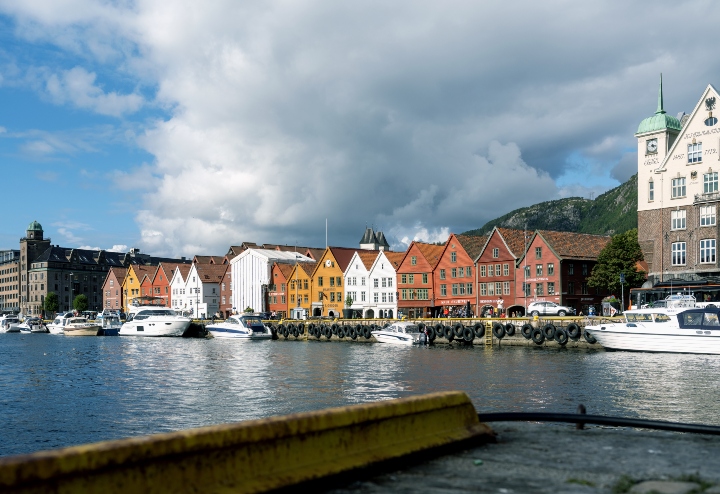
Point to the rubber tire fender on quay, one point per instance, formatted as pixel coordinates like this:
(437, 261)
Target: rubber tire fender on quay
(549, 331)
(573, 331)
(439, 330)
(285, 332)
(479, 329)
(468, 334)
(498, 330)
(510, 329)
(340, 332)
(538, 336)
(367, 332)
(589, 337)
(458, 330)
(431, 334)
(327, 331)
(449, 333)
(526, 330)
(561, 336)
(353, 333)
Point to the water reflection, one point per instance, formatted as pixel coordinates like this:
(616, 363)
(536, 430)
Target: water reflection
(59, 391)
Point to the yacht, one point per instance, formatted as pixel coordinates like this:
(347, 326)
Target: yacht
(79, 326)
(154, 321)
(56, 327)
(400, 333)
(33, 325)
(676, 327)
(244, 327)
(9, 324)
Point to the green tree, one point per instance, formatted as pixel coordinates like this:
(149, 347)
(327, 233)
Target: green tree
(80, 303)
(52, 302)
(619, 256)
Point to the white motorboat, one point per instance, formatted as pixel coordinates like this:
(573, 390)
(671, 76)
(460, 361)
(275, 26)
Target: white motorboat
(677, 327)
(110, 325)
(245, 327)
(33, 325)
(400, 333)
(58, 324)
(154, 321)
(10, 324)
(79, 326)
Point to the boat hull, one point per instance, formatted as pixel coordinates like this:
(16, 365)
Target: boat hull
(84, 331)
(674, 341)
(394, 338)
(53, 329)
(154, 328)
(236, 334)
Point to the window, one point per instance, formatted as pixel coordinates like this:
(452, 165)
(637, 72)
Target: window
(651, 191)
(491, 270)
(707, 250)
(425, 278)
(375, 297)
(527, 271)
(498, 288)
(442, 274)
(584, 288)
(384, 282)
(375, 283)
(538, 252)
(461, 272)
(411, 278)
(506, 288)
(390, 282)
(539, 289)
(362, 281)
(413, 260)
(390, 297)
(453, 273)
(497, 270)
(678, 187)
(482, 271)
(695, 152)
(571, 269)
(710, 183)
(468, 271)
(422, 294)
(550, 269)
(584, 269)
(453, 257)
(468, 288)
(538, 270)
(677, 219)
(506, 270)
(551, 287)
(454, 289)
(491, 289)
(443, 290)
(496, 253)
(678, 253)
(526, 289)
(320, 281)
(338, 281)
(571, 287)
(707, 215)
(362, 296)
(483, 288)
(403, 279)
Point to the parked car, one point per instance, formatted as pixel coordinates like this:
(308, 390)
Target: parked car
(549, 309)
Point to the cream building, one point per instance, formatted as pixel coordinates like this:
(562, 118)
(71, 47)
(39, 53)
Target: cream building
(678, 164)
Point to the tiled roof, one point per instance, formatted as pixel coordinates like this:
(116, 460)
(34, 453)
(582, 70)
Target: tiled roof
(308, 267)
(569, 245)
(314, 253)
(515, 240)
(368, 257)
(472, 244)
(169, 267)
(184, 270)
(395, 258)
(141, 271)
(431, 252)
(343, 255)
(285, 269)
(210, 273)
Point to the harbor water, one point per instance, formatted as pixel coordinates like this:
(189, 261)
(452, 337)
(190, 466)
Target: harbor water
(59, 391)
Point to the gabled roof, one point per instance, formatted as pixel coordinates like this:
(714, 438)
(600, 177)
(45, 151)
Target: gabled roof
(208, 259)
(568, 245)
(367, 257)
(141, 271)
(472, 244)
(183, 270)
(308, 267)
(395, 258)
(343, 255)
(211, 273)
(285, 269)
(169, 267)
(431, 252)
(118, 273)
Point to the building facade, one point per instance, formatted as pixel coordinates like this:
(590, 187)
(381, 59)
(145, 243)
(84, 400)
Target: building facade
(10, 281)
(415, 280)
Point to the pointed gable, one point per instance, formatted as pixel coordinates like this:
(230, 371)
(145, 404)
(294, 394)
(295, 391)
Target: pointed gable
(581, 246)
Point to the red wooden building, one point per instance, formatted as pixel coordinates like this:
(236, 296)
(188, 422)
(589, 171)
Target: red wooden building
(454, 276)
(415, 280)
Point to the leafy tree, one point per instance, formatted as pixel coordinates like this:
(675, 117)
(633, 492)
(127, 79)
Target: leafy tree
(249, 309)
(619, 256)
(349, 301)
(52, 303)
(80, 303)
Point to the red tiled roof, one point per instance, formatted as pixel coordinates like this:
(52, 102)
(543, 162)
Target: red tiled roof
(472, 244)
(342, 256)
(569, 245)
(285, 269)
(308, 267)
(395, 258)
(431, 252)
(515, 240)
(368, 257)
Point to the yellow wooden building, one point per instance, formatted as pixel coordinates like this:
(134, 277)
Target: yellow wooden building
(328, 297)
(131, 283)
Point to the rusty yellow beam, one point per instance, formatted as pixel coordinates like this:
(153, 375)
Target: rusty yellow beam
(252, 456)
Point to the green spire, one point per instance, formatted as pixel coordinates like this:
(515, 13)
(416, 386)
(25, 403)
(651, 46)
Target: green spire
(660, 108)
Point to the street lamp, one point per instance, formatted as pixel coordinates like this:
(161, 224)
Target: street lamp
(71, 291)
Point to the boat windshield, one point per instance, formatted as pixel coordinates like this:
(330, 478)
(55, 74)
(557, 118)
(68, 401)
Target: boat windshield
(635, 317)
(661, 317)
(154, 312)
(252, 321)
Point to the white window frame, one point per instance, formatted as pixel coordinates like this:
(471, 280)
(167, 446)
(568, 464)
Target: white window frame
(678, 187)
(710, 183)
(651, 191)
(678, 219)
(679, 251)
(707, 215)
(707, 251)
(695, 152)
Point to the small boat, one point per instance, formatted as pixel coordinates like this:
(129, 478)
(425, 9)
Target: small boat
(244, 327)
(154, 321)
(110, 325)
(675, 326)
(33, 325)
(56, 327)
(400, 333)
(79, 326)
(10, 324)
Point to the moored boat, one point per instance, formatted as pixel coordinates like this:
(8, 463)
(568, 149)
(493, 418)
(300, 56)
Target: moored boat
(155, 321)
(110, 325)
(9, 324)
(400, 333)
(33, 325)
(244, 327)
(79, 326)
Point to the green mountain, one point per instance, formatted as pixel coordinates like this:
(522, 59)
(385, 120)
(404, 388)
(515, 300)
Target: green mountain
(613, 212)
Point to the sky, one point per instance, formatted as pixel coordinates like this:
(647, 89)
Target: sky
(184, 127)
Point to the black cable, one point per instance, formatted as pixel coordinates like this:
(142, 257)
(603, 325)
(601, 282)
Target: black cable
(575, 418)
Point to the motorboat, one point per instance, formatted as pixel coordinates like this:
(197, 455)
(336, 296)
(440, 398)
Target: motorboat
(678, 327)
(245, 327)
(33, 325)
(400, 333)
(110, 325)
(58, 324)
(154, 321)
(80, 326)
(10, 324)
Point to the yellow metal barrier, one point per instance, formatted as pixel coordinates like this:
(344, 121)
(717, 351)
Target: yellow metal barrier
(252, 456)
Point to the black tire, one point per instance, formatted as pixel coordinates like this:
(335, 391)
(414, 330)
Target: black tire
(526, 331)
(498, 330)
(468, 334)
(449, 333)
(431, 333)
(561, 336)
(440, 330)
(334, 328)
(562, 313)
(589, 338)
(573, 331)
(353, 333)
(296, 332)
(327, 332)
(510, 329)
(534, 313)
(458, 330)
(421, 327)
(301, 329)
(386, 325)
(285, 332)
(549, 331)
(538, 336)
(366, 332)
(711, 306)
(341, 332)
(479, 330)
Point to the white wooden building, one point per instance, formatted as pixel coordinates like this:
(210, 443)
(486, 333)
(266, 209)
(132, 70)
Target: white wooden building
(383, 284)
